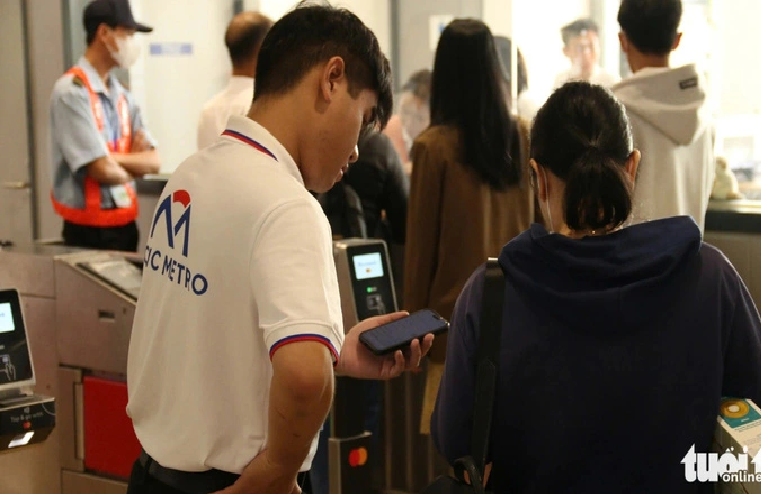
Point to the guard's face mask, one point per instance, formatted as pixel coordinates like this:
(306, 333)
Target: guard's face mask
(127, 50)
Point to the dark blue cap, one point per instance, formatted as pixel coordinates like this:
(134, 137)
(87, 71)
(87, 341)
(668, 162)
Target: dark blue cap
(113, 13)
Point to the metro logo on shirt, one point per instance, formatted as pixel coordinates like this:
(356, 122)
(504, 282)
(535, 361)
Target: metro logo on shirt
(175, 271)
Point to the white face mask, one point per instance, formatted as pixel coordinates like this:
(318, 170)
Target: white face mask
(127, 51)
(547, 202)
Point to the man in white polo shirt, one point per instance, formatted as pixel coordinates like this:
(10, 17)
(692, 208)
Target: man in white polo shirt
(238, 333)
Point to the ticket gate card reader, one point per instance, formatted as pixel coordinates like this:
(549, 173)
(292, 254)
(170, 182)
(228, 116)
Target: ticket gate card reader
(25, 418)
(365, 281)
(366, 286)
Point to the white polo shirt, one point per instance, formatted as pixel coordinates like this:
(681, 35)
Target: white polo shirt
(238, 263)
(235, 99)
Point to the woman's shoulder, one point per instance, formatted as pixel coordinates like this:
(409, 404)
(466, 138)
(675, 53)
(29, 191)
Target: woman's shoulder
(715, 260)
(438, 140)
(438, 135)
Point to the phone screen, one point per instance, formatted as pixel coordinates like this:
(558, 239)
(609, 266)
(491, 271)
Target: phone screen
(400, 333)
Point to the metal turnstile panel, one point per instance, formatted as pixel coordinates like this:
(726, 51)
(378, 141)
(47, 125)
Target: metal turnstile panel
(94, 322)
(70, 417)
(35, 469)
(29, 273)
(32, 470)
(82, 483)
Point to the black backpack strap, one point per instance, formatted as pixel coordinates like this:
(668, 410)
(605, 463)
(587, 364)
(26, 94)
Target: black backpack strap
(487, 360)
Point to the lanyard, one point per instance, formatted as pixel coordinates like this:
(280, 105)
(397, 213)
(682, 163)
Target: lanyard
(249, 141)
(116, 143)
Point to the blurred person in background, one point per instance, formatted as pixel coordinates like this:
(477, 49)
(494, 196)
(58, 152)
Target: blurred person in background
(243, 39)
(581, 45)
(668, 108)
(382, 187)
(413, 116)
(469, 191)
(525, 103)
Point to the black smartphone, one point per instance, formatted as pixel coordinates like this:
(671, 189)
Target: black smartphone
(398, 335)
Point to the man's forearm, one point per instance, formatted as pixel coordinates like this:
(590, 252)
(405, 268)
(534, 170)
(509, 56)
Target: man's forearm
(115, 176)
(300, 398)
(139, 164)
(106, 171)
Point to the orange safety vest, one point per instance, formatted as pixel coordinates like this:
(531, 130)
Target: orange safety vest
(92, 214)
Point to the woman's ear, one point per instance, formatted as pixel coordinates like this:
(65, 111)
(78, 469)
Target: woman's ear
(541, 185)
(632, 162)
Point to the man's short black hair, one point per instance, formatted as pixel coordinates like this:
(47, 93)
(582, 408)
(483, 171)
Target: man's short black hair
(569, 31)
(651, 25)
(245, 34)
(312, 34)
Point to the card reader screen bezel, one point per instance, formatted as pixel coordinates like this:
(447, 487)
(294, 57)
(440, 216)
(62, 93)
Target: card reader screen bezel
(358, 285)
(19, 371)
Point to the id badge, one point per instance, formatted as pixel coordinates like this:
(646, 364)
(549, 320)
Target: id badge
(121, 198)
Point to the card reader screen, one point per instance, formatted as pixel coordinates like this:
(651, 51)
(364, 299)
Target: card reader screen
(6, 318)
(368, 266)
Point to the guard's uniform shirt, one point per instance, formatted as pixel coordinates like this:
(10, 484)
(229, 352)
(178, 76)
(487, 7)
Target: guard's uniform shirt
(238, 263)
(82, 133)
(235, 99)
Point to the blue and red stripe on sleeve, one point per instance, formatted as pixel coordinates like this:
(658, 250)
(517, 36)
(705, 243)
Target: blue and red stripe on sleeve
(297, 338)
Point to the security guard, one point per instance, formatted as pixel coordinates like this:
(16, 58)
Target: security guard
(99, 143)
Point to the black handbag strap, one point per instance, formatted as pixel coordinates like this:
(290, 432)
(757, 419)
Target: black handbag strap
(487, 360)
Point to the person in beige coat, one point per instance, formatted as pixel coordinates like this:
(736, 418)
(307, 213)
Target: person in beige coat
(469, 190)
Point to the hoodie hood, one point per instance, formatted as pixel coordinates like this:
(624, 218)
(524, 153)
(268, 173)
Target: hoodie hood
(608, 283)
(671, 100)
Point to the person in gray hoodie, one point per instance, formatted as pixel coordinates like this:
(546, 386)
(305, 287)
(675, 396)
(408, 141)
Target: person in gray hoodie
(669, 115)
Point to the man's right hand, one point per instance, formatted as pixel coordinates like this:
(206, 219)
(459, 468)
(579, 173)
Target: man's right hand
(262, 475)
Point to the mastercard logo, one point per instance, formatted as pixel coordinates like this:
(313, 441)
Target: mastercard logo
(357, 457)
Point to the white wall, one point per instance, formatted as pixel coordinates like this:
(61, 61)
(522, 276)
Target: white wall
(536, 29)
(173, 89)
(739, 48)
(374, 13)
(498, 15)
(610, 58)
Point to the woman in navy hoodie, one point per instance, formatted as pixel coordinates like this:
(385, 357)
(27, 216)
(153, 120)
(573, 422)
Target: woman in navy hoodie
(618, 343)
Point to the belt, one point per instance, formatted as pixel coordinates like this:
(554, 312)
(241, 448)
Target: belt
(190, 482)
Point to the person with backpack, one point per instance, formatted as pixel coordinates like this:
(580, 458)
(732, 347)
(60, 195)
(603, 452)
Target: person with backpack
(617, 342)
(370, 201)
